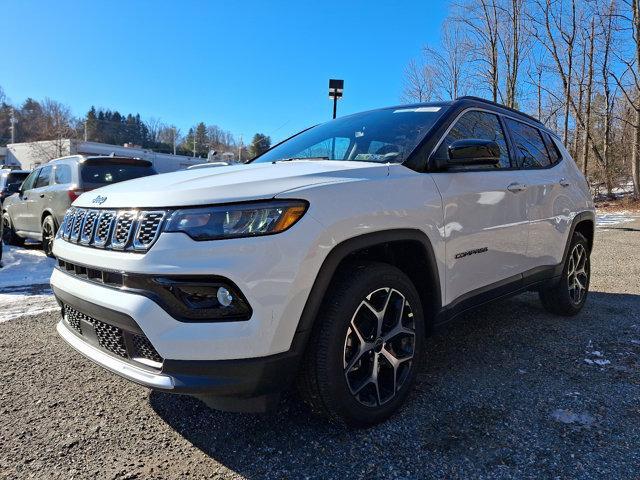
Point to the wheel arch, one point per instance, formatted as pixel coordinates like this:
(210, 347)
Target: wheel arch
(46, 213)
(584, 223)
(408, 249)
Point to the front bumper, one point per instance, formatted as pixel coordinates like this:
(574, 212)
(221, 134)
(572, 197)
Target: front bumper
(240, 385)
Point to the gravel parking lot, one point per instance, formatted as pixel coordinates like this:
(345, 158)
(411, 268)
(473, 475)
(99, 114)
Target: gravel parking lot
(509, 391)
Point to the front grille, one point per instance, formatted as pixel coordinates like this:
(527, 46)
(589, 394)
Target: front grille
(129, 230)
(128, 345)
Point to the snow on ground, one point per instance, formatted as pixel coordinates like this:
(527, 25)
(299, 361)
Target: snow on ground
(24, 266)
(24, 282)
(609, 219)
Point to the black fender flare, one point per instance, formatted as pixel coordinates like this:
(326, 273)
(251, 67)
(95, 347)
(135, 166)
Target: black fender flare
(342, 250)
(579, 218)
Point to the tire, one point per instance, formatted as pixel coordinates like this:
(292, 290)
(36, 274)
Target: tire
(568, 296)
(48, 235)
(9, 235)
(348, 342)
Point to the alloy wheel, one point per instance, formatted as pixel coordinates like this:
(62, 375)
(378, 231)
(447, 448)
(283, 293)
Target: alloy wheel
(379, 347)
(578, 273)
(47, 237)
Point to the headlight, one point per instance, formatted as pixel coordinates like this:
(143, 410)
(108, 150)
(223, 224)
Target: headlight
(238, 220)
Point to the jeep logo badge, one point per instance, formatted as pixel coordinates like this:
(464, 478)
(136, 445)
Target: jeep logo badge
(99, 200)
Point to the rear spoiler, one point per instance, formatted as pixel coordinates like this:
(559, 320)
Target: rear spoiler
(106, 160)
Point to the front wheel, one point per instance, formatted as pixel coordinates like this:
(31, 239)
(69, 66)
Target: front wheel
(9, 235)
(367, 346)
(48, 235)
(568, 296)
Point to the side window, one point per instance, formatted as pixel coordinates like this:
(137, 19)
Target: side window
(44, 177)
(30, 180)
(62, 174)
(552, 148)
(480, 125)
(529, 145)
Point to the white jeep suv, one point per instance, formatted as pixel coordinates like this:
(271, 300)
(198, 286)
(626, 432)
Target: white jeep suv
(327, 260)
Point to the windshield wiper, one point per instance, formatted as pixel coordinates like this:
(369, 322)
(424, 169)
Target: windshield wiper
(300, 158)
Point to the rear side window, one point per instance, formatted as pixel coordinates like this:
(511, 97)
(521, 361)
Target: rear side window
(552, 148)
(44, 177)
(14, 177)
(106, 173)
(62, 174)
(477, 125)
(529, 144)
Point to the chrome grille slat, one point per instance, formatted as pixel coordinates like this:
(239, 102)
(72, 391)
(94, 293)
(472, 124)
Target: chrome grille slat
(148, 229)
(128, 230)
(86, 234)
(103, 228)
(124, 224)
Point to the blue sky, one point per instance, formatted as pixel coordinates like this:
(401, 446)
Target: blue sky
(246, 66)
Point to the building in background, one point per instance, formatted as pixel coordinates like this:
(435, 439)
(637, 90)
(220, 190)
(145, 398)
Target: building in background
(29, 155)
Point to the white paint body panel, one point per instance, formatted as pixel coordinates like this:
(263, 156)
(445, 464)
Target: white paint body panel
(276, 273)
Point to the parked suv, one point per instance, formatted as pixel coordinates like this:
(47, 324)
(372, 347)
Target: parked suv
(40, 203)
(327, 260)
(10, 180)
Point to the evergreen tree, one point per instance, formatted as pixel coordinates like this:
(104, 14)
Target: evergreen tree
(260, 144)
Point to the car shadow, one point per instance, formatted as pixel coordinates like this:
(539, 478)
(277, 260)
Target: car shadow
(483, 373)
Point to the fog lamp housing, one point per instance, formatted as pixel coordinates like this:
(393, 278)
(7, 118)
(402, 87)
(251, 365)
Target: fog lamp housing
(198, 299)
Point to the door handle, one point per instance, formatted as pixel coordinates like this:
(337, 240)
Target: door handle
(564, 182)
(42, 195)
(516, 187)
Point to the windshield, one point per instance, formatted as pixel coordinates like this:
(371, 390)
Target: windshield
(382, 136)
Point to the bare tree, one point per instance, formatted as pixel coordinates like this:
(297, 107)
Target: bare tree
(55, 129)
(451, 61)
(419, 82)
(629, 82)
(588, 100)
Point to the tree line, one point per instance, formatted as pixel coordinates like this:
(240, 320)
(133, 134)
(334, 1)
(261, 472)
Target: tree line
(48, 119)
(575, 65)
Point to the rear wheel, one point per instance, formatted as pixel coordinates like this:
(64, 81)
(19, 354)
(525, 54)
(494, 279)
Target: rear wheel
(9, 235)
(568, 296)
(367, 346)
(48, 235)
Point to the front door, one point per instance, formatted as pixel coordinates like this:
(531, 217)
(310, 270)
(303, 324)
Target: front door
(18, 210)
(485, 213)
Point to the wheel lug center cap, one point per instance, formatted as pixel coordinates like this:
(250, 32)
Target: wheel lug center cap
(378, 344)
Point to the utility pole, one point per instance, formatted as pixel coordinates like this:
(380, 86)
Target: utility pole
(13, 126)
(240, 150)
(174, 140)
(85, 129)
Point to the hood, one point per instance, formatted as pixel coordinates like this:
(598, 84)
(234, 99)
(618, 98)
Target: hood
(254, 181)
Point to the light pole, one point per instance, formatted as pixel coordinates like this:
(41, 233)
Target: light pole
(335, 92)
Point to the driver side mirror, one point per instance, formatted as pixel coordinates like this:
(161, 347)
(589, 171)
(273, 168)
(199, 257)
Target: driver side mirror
(474, 151)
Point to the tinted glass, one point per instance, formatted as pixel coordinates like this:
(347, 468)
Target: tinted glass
(529, 145)
(28, 183)
(16, 177)
(62, 174)
(381, 136)
(106, 173)
(44, 177)
(552, 148)
(477, 125)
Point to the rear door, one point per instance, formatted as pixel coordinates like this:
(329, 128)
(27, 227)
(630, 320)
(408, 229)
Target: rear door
(485, 218)
(548, 205)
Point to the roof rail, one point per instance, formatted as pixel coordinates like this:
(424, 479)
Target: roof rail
(499, 105)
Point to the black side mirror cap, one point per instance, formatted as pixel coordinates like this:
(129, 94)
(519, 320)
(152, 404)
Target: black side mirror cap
(474, 151)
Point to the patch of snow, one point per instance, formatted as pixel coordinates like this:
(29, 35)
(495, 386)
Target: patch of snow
(24, 266)
(15, 305)
(601, 362)
(614, 218)
(569, 417)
